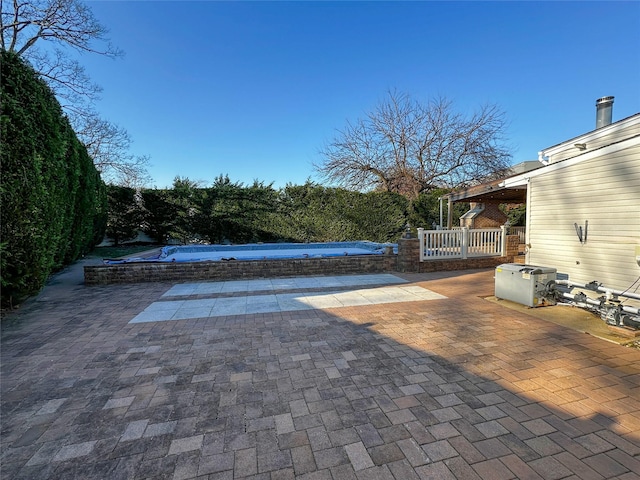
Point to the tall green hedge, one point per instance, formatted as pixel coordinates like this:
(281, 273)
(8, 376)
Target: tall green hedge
(52, 199)
(313, 213)
(235, 213)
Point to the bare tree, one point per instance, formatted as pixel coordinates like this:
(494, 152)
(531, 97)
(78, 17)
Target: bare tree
(108, 145)
(408, 147)
(69, 24)
(26, 24)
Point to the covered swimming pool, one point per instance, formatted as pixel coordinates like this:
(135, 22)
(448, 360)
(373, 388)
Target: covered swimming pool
(260, 251)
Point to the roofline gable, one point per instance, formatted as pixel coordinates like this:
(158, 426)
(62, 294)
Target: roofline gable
(590, 136)
(523, 179)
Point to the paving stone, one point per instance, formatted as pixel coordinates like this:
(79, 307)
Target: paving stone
(491, 429)
(605, 465)
(283, 474)
(439, 450)
(303, 460)
(51, 406)
(216, 463)
(520, 469)
(343, 437)
(461, 469)
(239, 377)
(375, 473)
(318, 438)
(401, 416)
(443, 430)
(330, 419)
(317, 475)
(436, 470)
(263, 423)
(69, 452)
(415, 455)
(118, 402)
(30, 436)
(402, 469)
(538, 427)
(627, 461)
(134, 430)
(550, 468)
(156, 447)
(413, 387)
(274, 461)
(445, 414)
(419, 433)
(520, 448)
(448, 400)
(246, 462)
(492, 448)
(330, 457)
(293, 439)
(394, 433)
(186, 444)
(383, 454)
(577, 467)
(594, 443)
(491, 412)
(493, 470)
(466, 449)
(342, 472)
(44, 454)
(163, 428)
(369, 435)
(186, 471)
(544, 445)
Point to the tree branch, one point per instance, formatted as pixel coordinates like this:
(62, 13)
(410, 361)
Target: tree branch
(408, 147)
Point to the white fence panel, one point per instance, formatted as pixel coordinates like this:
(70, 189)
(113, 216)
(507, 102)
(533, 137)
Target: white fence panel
(461, 243)
(485, 242)
(439, 244)
(520, 231)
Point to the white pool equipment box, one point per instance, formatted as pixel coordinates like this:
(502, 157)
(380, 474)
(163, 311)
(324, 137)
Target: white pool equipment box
(523, 284)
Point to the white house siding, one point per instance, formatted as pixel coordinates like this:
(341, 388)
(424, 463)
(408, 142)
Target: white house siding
(606, 192)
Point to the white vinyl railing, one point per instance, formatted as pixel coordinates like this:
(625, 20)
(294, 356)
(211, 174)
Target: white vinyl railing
(520, 231)
(461, 243)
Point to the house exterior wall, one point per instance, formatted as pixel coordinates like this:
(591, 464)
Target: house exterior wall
(605, 191)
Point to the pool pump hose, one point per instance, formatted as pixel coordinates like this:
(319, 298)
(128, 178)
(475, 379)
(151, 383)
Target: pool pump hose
(608, 306)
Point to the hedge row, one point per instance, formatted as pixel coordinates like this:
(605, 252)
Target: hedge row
(53, 202)
(235, 213)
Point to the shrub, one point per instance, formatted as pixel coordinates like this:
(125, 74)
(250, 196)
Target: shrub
(50, 193)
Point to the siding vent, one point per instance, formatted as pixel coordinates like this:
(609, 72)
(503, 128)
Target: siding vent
(604, 111)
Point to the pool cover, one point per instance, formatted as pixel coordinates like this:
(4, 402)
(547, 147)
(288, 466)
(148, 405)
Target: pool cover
(260, 251)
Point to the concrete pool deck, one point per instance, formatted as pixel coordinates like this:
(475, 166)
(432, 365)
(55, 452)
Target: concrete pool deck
(450, 386)
(215, 299)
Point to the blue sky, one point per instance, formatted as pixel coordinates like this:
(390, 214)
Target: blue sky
(255, 89)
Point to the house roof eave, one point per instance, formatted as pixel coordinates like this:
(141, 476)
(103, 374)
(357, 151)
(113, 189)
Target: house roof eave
(591, 136)
(488, 191)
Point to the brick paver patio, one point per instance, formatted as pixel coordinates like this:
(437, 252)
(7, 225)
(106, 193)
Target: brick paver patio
(455, 387)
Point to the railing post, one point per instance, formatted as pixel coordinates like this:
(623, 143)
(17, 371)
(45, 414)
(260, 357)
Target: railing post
(421, 243)
(465, 242)
(503, 240)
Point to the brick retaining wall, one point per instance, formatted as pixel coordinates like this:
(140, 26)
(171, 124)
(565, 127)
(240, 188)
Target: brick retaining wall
(406, 261)
(237, 269)
(409, 258)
